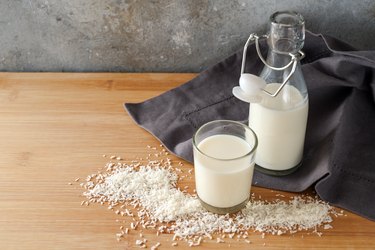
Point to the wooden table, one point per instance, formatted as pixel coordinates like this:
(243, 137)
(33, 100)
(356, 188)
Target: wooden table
(55, 127)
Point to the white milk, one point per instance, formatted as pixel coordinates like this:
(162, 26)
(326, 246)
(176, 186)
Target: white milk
(280, 124)
(221, 182)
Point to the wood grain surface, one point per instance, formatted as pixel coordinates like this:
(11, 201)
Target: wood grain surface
(55, 127)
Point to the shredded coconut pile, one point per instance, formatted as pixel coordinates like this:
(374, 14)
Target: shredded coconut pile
(149, 193)
(154, 188)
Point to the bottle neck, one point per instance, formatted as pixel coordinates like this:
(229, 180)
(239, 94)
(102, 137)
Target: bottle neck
(285, 64)
(277, 59)
(287, 32)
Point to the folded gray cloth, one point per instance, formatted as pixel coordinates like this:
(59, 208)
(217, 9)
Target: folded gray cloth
(339, 156)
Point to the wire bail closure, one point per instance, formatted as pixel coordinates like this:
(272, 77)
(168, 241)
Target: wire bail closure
(293, 61)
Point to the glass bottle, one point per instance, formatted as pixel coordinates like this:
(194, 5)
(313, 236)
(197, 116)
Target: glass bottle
(280, 121)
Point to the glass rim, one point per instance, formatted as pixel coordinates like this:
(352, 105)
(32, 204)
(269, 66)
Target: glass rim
(253, 148)
(298, 16)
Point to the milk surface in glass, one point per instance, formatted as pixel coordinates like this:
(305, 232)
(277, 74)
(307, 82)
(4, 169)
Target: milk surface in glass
(221, 181)
(280, 124)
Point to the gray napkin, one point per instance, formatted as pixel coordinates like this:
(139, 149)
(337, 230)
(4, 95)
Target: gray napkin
(339, 156)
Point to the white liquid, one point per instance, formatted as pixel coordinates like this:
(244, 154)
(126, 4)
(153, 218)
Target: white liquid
(280, 124)
(220, 181)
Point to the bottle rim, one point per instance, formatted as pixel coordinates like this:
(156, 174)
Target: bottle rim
(299, 20)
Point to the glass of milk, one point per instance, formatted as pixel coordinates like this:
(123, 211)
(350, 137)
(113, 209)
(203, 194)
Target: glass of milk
(224, 153)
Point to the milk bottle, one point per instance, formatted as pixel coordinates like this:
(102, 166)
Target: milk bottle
(279, 100)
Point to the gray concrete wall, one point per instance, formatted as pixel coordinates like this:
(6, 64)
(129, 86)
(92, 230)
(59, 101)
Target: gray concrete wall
(156, 36)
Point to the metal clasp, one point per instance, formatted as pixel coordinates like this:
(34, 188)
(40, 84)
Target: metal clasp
(293, 61)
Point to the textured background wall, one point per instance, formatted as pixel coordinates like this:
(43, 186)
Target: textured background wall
(157, 36)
